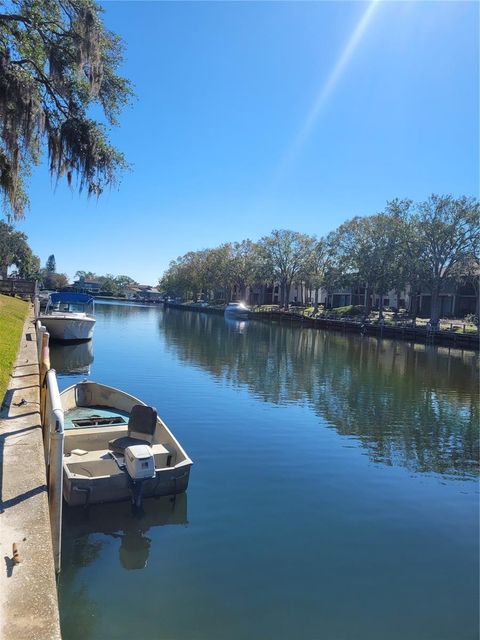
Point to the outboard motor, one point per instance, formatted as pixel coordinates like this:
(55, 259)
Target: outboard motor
(140, 466)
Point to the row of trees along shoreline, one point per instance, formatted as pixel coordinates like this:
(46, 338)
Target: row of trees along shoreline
(15, 251)
(415, 247)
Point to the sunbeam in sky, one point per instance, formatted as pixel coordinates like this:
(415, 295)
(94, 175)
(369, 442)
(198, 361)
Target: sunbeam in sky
(327, 88)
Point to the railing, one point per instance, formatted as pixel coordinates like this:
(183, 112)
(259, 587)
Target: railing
(13, 286)
(36, 306)
(52, 419)
(456, 334)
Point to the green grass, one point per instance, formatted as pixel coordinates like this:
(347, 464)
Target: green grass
(349, 310)
(12, 317)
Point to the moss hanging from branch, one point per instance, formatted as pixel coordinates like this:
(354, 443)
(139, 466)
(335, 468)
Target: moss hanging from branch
(56, 61)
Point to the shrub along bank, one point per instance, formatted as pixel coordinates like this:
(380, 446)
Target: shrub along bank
(13, 313)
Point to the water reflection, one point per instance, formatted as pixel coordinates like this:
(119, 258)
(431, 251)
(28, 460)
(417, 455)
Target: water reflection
(118, 308)
(408, 404)
(86, 537)
(235, 326)
(86, 531)
(71, 359)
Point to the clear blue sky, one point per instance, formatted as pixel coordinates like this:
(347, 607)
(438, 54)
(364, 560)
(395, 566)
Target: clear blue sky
(253, 116)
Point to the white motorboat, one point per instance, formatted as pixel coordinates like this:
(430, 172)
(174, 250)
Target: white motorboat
(69, 316)
(237, 310)
(117, 448)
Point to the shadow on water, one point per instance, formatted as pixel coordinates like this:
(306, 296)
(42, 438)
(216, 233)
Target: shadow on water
(87, 533)
(123, 522)
(408, 404)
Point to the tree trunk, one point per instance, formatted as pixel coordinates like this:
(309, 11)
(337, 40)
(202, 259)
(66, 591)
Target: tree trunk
(315, 308)
(288, 286)
(380, 306)
(413, 310)
(380, 302)
(434, 306)
(476, 289)
(368, 300)
(398, 294)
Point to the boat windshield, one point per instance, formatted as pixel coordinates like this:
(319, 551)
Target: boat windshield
(69, 307)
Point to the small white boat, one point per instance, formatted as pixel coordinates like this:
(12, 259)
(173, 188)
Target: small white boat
(117, 448)
(237, 310)
(69, 316)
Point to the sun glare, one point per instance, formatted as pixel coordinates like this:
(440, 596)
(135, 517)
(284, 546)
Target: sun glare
(328, 87)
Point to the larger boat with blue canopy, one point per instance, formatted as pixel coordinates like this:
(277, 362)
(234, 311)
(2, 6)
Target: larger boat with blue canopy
(69, 316)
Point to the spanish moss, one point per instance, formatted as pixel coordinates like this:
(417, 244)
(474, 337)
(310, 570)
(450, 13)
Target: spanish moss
(57, 61)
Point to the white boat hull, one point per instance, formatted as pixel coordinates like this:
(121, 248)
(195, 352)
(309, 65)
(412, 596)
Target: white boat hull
(116, 488)
(68, 328)
(237, 310)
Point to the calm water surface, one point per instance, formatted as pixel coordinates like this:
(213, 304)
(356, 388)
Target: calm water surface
(334, 492)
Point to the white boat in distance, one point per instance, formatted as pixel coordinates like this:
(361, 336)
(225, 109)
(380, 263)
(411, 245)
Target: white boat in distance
(237, 310)
(117, 448)
(69, 316)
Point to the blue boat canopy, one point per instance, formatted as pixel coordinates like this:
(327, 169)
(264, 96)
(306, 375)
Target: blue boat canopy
(67, 296)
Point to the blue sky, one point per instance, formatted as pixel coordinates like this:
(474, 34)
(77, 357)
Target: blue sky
(251, 116)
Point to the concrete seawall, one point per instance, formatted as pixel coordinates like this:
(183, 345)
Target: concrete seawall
(28, 593)
(399, 332)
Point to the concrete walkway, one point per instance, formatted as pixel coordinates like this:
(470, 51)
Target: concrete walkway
(28, 594)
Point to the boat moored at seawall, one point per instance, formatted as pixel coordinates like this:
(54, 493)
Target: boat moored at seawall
(117, 448)
(69, 316)
(237, 310)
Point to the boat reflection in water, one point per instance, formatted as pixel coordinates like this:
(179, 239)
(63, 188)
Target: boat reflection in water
(234, 325)
(71, 359)
(84, 529)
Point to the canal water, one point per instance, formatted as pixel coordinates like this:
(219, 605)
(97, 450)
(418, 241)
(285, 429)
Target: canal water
(334, 493)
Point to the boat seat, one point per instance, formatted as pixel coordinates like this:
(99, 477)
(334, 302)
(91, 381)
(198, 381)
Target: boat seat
(141, 427)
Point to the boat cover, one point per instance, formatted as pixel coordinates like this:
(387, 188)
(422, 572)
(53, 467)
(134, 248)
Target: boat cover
(69, 296)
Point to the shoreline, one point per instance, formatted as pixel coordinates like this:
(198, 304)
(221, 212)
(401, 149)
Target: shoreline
(29, 600)
(414, 334)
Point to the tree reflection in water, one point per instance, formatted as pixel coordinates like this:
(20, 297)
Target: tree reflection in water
(413, 405)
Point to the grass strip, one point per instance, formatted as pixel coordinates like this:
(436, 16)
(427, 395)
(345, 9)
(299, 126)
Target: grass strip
(13, 313)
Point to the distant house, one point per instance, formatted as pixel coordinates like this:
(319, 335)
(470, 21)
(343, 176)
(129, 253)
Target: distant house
(355, 295)
(146, 293)
(457, 300)
(271, 294)
(86, 286)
